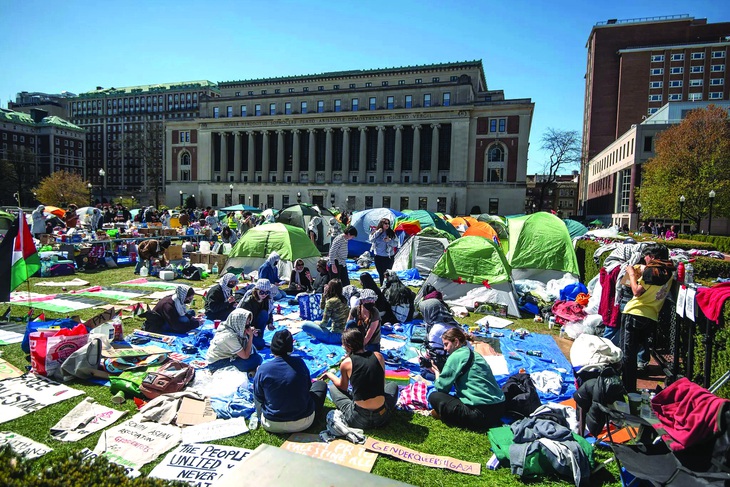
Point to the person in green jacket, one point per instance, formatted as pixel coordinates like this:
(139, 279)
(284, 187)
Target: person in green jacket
(479, 402)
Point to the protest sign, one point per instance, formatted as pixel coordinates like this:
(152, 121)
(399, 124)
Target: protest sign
(22, 395)
(214, 430)
(426, 459)
(86, 418)
(89, 455)
(339, 452)
(199, 464)
(10, 337)
(25, 447)
(134, 443)
(8, 370)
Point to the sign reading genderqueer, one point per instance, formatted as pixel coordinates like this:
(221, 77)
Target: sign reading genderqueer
(29, 393)
(339, 451)
(412, 456)
(199, 464)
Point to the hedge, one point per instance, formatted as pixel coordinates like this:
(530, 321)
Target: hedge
(720, 243)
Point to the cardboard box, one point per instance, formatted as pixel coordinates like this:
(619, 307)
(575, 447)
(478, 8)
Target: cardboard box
(169, 232)
(198, 258)
(217, 258)
(47, 239)
(173, 252)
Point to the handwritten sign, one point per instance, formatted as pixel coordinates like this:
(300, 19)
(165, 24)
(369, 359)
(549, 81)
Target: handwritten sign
(90, 456)
(426, 459)
(25, 447)
(86, 418)
(199, 464)
(29, 393)
(10, 337)
(214, 430)
(339, 451)
(8, 370)
(134, 443)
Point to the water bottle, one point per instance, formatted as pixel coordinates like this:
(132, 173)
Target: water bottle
(562, 331)
(645, 411)
(144, 271)
(551, 322)
(689, 273)
(214, 270)
(253, 423)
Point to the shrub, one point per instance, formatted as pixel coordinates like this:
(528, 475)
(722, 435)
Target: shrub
(719, 243)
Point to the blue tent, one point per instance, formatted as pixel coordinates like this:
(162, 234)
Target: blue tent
(364, 221)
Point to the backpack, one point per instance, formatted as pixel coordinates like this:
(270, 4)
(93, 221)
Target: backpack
(191, 273)
(173, 376)
(520, 395)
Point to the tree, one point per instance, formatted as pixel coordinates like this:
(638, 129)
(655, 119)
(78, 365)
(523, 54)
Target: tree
(18, 170)
(146, 145)
(692, 158)
(563, 148)
(63, 188)
(190, 202)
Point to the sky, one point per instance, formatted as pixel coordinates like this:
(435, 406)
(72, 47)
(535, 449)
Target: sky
(529, 49)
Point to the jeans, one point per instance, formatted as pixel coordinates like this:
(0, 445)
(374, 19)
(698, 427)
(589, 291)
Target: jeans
(322, 334)
(362, 418)
(455, 413)
(382, 264)
(636, 333)
(244, 365)
(318, 393)
(260, 322)
(613, 334)
(341, 275)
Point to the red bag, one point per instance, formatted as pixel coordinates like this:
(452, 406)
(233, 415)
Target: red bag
(50, 348)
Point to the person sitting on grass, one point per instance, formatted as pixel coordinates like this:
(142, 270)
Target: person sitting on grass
(232, 343)
(334, 317)
(479, 401)
(171, 315)
(322, 278)
(366, 318)
(285, 396)
(372, 401)
(300, 280)
(258, 303)
(386, 312)
(220, 301)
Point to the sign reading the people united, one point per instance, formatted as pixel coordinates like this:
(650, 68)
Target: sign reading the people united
(412, 456)
(199, 464)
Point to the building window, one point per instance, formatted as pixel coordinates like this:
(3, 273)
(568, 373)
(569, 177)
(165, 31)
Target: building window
(305, 89)
(404, 204)
(263, 92)
(409, 101)
(677, 57)
(695, 97)
(250, 93)
(423, 203)
(368, 202)
(320, 88)
(655, 97)
(677, 83)
(303, 107)
(427, 100)
(695, 82)
(368, 84)
(648, 143)
(291, 90)
(446, 99)
(371, 103)
(678, 70)
(655, 84)
(277, 91)
(716, 95)
(216, 112)
(652, 111)
(657, 58)
(657, 71)
(272, 108)
(390, 102)
(338, 105)
(214, 199)
(257, 110)
(185, 159)
(717, 81)
(335, 87)
(352, 86)
(243, 110)
(287, 108)
(495, 163)
(353, 104)
(696, 69)
(717, 68)
(718, 54)
(435, 79)
(229, 111)
(401, 81)
(675, 97)
(384, 83)
(698, 55)
(320, 106)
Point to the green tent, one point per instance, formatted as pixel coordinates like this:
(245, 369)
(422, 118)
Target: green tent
(291, 243)
(429, 219)
(300, 215)
(475, 263)
(540, 247)
(436, 233)
(6, 220)
(575, 229)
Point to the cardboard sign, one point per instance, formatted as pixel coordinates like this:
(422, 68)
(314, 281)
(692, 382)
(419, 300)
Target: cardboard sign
(100, 319)
(25, 447)
(340, 452)
(115, 352)
(28, 393)
(8, 370)
(214, 430)
(86, 418)
(134, 443)
(10, 337)
(426, 459)
(199, 464)
(193, 411)
(132, 473)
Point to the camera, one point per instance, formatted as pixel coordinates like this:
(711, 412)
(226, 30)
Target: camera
(425, 362)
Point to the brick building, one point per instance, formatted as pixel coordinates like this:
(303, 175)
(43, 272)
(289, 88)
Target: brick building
(561, 196)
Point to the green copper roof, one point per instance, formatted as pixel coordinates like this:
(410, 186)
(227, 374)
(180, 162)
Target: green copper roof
(25, 119)
(131, 90)
(15, 117)
(59, 122)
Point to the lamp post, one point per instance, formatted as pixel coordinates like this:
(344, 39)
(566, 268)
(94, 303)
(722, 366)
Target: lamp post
(332, 200)
(102, 173)
(638, 215)
(438, 203)
(299, 197)
(91, 196)
(249, 201)
(181, 201)
(682, 199)
(230, 186)
(709, 222)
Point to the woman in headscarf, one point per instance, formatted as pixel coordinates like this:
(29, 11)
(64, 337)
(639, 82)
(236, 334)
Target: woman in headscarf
(258, 303)
(38, 226)
(270, 270)
(220, 301)
(334, 316)
(232, 343)
(97, 220)
(366, 318)
(171, 314)
(399, 296)
(352, 295)
(300, 280)
(386, 312)
(438, 319)
(383, 242)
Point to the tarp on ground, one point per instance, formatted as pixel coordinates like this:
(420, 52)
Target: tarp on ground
(364, 222)
(429, 219)
(474, 262)
(575, 229)
(291, 243)
(301, 214)
(540, 248)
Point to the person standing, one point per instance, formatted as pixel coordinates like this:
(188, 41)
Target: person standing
(337, 260)
(38, 226)
(383, 242)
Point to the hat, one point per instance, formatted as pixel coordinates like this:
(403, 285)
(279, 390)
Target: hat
(263, 285)
(282, 343)
(368, 296)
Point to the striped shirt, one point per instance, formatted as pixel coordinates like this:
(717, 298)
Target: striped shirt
(338, 250)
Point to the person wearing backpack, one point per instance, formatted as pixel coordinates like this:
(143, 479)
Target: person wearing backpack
(232, 343)
(479, 402)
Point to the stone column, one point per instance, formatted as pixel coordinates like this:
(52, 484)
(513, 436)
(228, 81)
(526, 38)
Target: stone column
(312, 172)
(397, 156)
(361, 178)
(380, 155)
(345, 154)
(328, 155)
(415, 172)
(251, 156)
(265, 157)
(434, 153)
(295, 156)
(279, 156)
(224, 156)
(237, 156)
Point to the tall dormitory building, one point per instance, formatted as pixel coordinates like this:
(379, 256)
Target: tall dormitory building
(634, 67)
(432, 137)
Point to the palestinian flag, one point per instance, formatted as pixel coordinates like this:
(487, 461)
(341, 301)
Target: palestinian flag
(18, 257)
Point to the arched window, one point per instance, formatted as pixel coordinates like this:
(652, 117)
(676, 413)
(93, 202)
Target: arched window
(495, 163)
(185, 159)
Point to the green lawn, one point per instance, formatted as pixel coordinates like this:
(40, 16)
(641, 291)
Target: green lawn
(411, 430)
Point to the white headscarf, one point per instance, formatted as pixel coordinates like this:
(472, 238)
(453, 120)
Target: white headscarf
(273, 258)
(181, 294)
(235, 324)
(224, 280)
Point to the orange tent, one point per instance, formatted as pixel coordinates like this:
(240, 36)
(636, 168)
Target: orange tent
(460, 221)
(482, 229)
(54, 210)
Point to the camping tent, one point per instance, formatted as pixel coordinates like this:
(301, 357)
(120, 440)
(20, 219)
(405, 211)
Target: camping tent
(482, 229)
(429, 219)
(540, 247)
(470, 263)
(364, 221)
(575, 229)
(6, 220)
(291, 243)
(420, 252)
(240, 207)
(301, 214)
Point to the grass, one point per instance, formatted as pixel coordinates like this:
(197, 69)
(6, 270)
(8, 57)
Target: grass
(414, 431)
